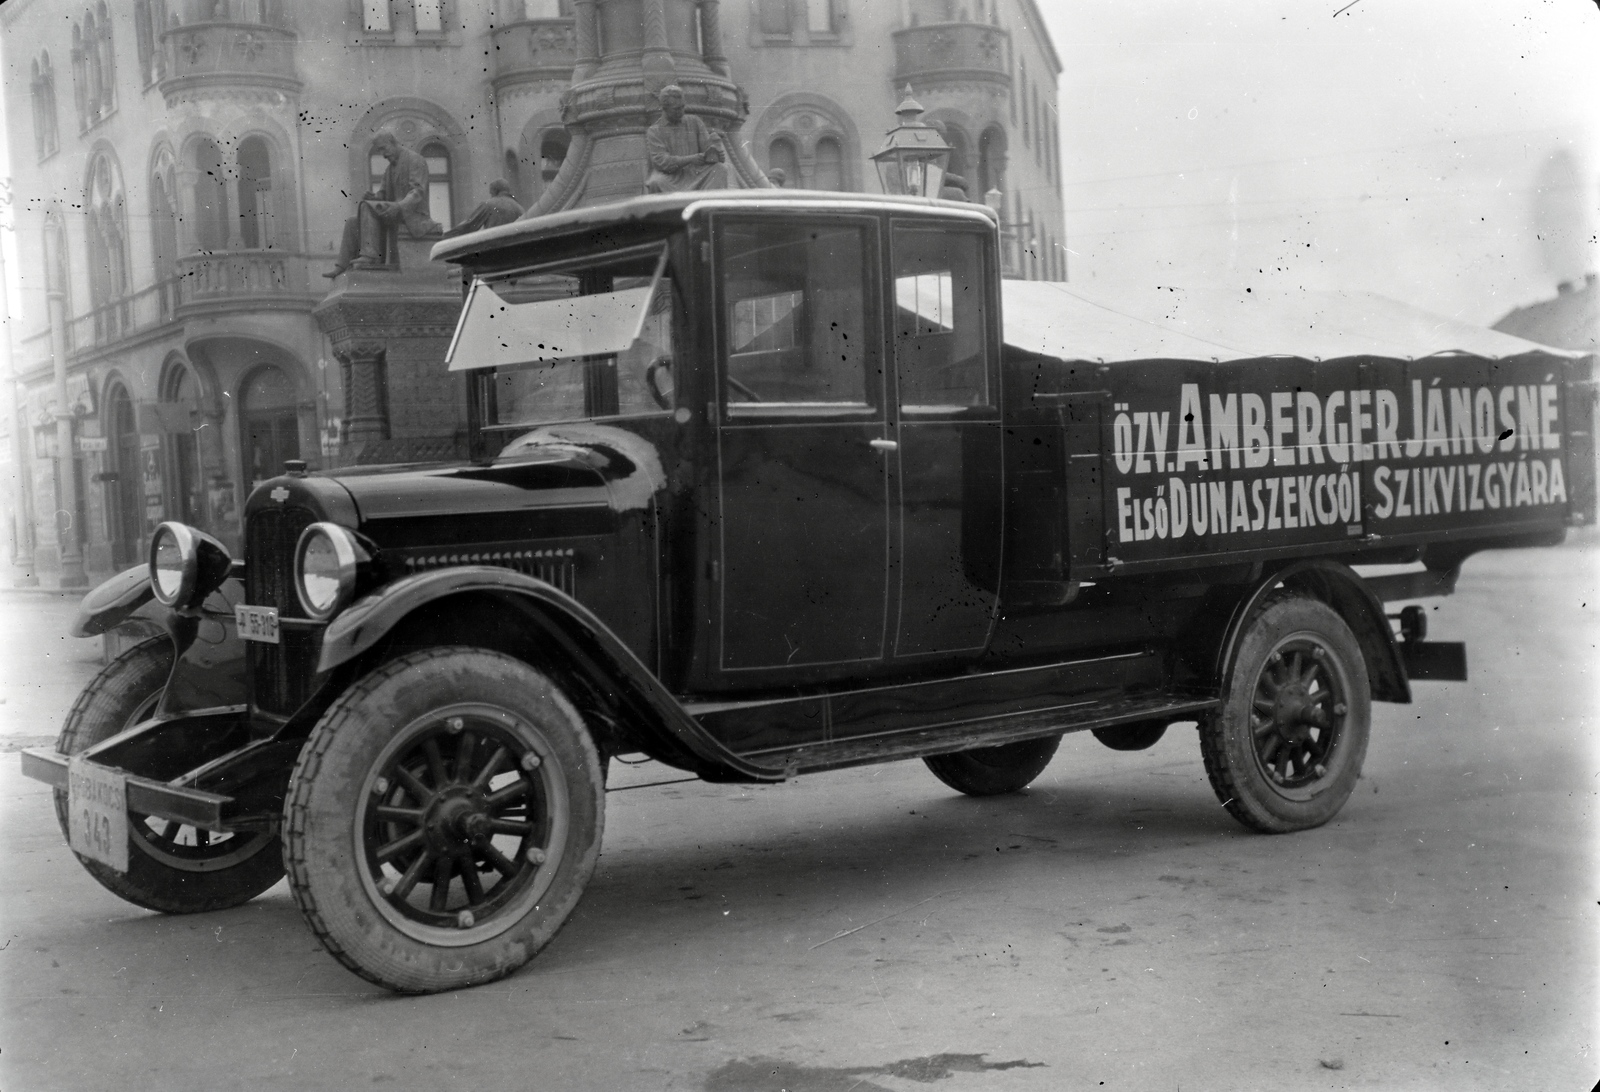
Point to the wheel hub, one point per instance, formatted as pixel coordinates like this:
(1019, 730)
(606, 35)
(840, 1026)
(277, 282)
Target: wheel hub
(457, 820)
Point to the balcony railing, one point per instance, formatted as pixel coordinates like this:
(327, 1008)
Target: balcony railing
(124, 317)
(534, 50)
(218, 55)
(242, 280)
(944, 53)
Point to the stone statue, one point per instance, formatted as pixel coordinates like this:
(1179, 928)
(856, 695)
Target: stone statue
(501, 208)
(683, 153)
(402, 198)
(777, 176)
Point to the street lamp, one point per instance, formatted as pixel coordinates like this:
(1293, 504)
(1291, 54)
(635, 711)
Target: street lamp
(913, 158)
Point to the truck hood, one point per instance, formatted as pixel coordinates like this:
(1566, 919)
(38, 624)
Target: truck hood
(555, 466)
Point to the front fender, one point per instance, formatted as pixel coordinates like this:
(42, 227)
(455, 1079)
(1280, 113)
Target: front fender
(588, 644)
(113, 602)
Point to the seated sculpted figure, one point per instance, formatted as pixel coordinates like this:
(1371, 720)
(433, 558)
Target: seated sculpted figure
(401, 198)
(683, 153)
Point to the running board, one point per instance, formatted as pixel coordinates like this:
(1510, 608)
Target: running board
(989, 731)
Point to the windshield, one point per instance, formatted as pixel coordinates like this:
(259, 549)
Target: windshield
(583, 339)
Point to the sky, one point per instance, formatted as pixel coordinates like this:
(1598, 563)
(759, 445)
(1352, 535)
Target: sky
(1445, 153)
(1442, 152)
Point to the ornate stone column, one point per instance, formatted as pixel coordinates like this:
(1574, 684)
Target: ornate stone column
(588, 43)
(711, 37)
(362, 370)
(655, 61)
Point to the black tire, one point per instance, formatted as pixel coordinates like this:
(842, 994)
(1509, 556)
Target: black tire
(444, 819)
(1285, 748)
(172, 867)
(1139, 736)
(991, 771)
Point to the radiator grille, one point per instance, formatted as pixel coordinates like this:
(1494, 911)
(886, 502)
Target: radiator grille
(280, 674)
(554, 566)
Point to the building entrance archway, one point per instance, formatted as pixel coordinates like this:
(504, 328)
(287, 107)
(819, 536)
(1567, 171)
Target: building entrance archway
(125, 496)
(270, 423)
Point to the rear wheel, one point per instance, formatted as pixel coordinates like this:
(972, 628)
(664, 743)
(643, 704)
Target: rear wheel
(990, 771)
(172, 867)
(1285, 748)
(444, 819)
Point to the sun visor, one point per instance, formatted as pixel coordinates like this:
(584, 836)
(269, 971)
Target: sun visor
(496, 331)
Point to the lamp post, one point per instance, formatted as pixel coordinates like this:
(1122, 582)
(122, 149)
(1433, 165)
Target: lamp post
(913, 158)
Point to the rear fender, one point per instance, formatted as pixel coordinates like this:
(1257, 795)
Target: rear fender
(527, 618)
(1342, 588)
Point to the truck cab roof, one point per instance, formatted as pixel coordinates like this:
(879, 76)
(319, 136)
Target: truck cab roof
(668, 209)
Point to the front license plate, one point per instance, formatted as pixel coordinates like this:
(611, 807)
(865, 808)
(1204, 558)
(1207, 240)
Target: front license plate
(97, 813)
(257, 623)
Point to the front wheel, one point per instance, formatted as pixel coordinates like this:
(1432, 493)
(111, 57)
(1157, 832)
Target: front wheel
(173, 867)
(990, 771)
(1285, 748)
(443, 820)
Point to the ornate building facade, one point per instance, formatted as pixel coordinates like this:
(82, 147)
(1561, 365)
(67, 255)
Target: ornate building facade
(182, 169)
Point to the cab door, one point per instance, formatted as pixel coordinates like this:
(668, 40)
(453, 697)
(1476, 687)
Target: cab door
(803, 450)
(949, 508)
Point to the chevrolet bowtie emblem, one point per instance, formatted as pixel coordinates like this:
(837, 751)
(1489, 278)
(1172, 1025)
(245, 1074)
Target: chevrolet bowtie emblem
(279, 494)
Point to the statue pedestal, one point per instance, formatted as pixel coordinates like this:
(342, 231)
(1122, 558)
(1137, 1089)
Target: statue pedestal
(390, 327)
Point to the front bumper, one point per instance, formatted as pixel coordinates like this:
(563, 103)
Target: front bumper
(145, 796)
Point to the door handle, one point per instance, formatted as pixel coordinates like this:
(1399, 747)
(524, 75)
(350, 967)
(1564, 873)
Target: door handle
(884, 445)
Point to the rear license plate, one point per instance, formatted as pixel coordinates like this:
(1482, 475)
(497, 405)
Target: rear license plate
(97, 813)
(257, 623)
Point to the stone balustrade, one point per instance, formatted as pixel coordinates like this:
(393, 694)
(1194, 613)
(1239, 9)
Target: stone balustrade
(943, 54)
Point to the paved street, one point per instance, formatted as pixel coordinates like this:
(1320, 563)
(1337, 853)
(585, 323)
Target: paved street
(1110, 928)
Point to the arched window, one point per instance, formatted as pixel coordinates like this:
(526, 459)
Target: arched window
(124, 490)
(781, 156)
(959, 164)
(255, 193)
(188, 487)
(828, 174)
(144, 40)
(108, 233)
(107, 59)
(440, 205)
(164, 223)
(55, 261)
(46, 137)
(210, 197)
(270, 421)
(513, 168)
(991, 163)
(552, 153)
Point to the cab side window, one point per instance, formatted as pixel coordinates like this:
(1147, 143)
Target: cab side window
(940, 331)
(794, 315)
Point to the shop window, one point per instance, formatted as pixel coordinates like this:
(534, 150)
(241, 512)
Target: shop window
(270, 420)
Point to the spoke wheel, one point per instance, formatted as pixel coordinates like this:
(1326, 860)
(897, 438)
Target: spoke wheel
(464, 822)
(173, 867)
(1285, 749)
(443, 819)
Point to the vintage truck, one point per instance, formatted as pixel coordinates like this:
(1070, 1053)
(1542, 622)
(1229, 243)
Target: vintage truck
(768, 486)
